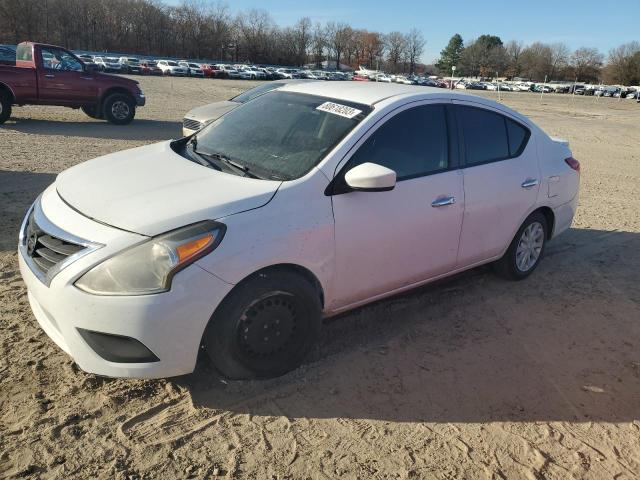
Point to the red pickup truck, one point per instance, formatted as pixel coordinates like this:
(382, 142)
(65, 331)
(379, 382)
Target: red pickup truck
(50, 75)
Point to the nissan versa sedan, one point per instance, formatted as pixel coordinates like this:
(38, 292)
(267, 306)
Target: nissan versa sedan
(302, 203)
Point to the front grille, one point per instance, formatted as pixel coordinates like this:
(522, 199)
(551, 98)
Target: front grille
(191, 124)
(45, 250)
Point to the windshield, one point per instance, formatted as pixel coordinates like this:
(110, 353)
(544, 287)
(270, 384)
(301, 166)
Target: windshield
(257, 91)
(281, 135)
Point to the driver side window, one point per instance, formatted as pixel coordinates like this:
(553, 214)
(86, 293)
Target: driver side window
(60, 60)
(413, 143)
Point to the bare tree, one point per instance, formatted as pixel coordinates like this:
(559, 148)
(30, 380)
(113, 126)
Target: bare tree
(415, 47)
(586, 64)
(396, 45)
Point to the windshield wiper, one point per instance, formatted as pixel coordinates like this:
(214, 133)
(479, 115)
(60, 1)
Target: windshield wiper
(199, 157)
(232, 163)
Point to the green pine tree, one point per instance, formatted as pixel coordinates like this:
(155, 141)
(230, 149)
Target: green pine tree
(450, 55)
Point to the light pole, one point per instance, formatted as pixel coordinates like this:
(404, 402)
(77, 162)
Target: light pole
(453, 71)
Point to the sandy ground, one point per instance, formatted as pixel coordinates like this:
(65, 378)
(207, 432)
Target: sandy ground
(471, 378)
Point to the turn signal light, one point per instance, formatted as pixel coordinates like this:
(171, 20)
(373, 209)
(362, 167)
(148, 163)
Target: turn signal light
(189, 249)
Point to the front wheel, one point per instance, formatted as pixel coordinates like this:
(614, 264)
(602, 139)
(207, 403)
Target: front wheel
(119, 109)
(5, 107)
(526, 249)
(265, 327)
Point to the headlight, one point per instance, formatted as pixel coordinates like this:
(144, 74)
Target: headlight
(149, 267)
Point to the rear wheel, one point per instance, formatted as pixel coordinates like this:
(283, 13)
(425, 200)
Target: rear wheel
(265, 327)
(92, 111)
(119, 109)
(5, 106)
(526, 249)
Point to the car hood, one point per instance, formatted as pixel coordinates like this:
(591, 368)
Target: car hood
(151, 190)
(211, 112)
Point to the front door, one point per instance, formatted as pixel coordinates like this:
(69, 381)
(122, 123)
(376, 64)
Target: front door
(62, 79)
(387, 240)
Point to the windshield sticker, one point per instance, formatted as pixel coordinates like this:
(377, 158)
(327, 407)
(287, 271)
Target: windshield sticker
(337, 109)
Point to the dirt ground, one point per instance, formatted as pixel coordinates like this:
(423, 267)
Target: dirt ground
(471, 378)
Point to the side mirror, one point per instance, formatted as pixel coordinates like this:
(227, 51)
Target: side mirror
(90, 67)
(371, 177)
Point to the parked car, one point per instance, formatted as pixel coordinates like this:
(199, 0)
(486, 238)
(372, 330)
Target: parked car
(199, 117)
(86, 58)
(150, 67)
(108, 64)
(302, 203)
(130, 65)
(211, 71)
(286, 73)
(50, 75)
(382, 77)
(193, 69)
(543, 89)
(169, 67)
(229, 71)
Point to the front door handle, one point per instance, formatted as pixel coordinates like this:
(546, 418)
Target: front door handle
(50, 75)
(443, 201)
(530, 182)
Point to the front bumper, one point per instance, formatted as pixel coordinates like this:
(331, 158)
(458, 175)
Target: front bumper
(141, 100)
(170, 324)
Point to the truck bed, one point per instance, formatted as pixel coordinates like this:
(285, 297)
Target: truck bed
(22, 81)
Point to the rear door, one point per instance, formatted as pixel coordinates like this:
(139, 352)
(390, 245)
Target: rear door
(501, 180)
(62, 79)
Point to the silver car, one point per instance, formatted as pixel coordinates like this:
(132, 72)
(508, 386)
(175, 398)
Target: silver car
(200, 117)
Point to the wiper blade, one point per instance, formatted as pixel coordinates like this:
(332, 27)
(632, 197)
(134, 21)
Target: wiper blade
(238, 166)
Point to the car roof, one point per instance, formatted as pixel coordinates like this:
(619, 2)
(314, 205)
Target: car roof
(367, 93)
(370, 93)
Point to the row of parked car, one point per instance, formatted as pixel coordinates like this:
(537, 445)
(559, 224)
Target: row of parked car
(186, 68)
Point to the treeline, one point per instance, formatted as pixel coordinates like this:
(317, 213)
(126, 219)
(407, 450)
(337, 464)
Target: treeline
(488, 56)
(202, 29)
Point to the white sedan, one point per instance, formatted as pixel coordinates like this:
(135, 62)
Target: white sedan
(300, 204)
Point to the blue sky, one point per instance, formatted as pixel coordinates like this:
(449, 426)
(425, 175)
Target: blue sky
(577, 23)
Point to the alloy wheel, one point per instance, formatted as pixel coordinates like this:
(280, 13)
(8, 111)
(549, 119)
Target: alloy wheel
(529, 246)
(120, 109)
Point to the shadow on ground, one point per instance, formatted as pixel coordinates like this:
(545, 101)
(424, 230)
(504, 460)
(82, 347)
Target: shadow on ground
(18, 190)
(561, 345)
(139, 129)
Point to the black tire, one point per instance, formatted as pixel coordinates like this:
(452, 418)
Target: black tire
(508, 266)
(119, 109)
(92, 112)
(5, 106)
(265, 327)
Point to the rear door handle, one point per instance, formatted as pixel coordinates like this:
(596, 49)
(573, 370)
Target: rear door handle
(50, 75)
(443, 201)
(530, 182)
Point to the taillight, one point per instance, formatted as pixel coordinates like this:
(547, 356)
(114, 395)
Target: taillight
(573, 163)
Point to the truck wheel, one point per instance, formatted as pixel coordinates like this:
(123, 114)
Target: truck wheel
(92, 112)
(119, 109)
(5, 107)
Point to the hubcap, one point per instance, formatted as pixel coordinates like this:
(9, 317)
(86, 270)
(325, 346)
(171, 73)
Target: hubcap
(120, 109)
(529, 247)
(267, 326)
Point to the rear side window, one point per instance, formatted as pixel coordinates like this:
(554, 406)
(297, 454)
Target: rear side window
(412, 143)
(517, 137)
(24, 52)
(489, 136)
